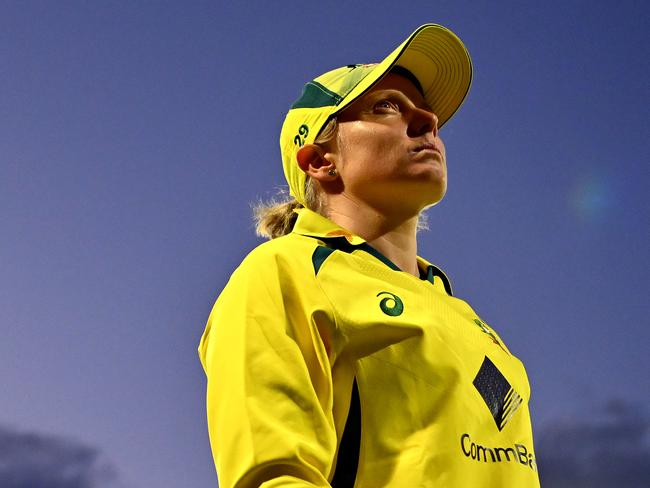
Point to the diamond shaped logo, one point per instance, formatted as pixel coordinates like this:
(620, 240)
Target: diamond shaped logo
(501, 399)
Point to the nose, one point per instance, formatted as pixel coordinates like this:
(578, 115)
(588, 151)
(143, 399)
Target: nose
(422, 121)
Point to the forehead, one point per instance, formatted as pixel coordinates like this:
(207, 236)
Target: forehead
(394, 82)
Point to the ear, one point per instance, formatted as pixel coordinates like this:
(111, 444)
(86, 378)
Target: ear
(311, 159)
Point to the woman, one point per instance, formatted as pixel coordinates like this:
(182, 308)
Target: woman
(336, 356)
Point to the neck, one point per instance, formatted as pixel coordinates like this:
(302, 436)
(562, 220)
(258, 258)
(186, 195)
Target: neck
(393, 236)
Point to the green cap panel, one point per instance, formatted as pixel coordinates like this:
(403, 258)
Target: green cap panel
(315, 95)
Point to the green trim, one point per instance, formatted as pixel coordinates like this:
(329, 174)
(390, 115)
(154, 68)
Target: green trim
(435, 271)
(371, 250)
(341, 244)
(321, 253)
(315, 95)
(429, 277)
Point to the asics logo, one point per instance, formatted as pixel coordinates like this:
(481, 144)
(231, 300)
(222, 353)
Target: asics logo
(391, 304)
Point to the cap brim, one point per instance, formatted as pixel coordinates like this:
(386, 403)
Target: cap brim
(440, 62)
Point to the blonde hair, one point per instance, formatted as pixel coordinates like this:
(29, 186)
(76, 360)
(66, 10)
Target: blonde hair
(276, 217)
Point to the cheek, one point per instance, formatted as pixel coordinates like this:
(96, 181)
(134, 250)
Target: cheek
(381, 145)
(361, 146)
(369, 153)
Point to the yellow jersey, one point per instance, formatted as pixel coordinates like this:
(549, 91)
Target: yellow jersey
(328, 366)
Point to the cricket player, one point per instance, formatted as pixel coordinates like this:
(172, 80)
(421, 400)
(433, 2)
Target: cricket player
(335, 355)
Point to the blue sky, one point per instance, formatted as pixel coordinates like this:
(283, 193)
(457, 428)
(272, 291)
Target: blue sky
(135, 136)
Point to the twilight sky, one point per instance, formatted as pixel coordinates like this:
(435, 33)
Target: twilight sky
(135, 135)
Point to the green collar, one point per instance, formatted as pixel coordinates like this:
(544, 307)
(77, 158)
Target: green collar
(312, 224)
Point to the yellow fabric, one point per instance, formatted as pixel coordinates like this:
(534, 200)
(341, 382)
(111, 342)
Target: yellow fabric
(433, 53)
(284, 343)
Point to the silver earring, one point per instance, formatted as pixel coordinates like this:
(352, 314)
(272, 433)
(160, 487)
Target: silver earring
(331, 172)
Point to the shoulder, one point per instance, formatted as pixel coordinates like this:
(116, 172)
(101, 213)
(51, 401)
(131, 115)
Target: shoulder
(274, 279)
(287, 256)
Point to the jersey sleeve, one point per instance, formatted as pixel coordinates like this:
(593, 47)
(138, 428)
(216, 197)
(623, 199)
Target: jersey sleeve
(269, 389)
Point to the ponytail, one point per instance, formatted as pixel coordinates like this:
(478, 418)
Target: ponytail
(276, 217)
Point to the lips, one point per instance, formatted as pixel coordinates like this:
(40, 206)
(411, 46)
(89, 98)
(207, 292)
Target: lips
(427, 146)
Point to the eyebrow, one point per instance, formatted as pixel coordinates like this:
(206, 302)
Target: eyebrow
(400, 94)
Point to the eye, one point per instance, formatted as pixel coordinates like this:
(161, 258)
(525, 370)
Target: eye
(386, 105)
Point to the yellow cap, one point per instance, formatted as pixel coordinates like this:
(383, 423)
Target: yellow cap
(433, 53)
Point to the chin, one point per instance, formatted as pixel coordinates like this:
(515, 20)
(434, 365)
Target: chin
(435, 197)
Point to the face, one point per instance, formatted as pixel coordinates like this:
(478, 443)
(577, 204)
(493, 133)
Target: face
(388, 151)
